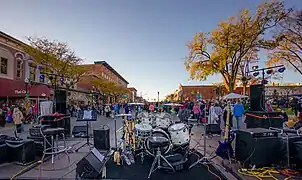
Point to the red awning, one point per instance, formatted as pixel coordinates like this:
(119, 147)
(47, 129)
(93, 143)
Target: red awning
(17, 88)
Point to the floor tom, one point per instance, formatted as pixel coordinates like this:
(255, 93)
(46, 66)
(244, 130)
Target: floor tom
(179, 134)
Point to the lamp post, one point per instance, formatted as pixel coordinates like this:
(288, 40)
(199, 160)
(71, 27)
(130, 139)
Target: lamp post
(26, 80)
(157, 96)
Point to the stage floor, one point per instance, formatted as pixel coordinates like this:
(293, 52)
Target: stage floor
(139, 171)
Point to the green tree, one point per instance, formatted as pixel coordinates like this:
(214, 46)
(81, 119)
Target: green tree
(57, 58)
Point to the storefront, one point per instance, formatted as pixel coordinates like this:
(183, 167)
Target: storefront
(14, 90)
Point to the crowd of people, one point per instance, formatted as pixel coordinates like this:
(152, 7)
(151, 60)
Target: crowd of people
(212, 111)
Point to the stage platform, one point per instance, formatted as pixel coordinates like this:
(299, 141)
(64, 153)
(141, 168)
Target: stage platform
(139, 171)
(65, 170)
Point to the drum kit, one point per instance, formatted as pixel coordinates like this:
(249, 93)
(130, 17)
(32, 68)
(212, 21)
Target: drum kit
(156, 135)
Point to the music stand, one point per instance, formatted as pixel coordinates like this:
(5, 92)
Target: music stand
(86, 116)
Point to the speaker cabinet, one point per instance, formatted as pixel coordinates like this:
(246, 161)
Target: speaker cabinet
(257, 148)
(257, 97)
(101, 138)
(61, 101)
(91, 166)
(261, 119)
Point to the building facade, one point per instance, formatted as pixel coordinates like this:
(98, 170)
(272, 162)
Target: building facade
(192, 93)
(132, 94)
(15, 72)
(101, 69)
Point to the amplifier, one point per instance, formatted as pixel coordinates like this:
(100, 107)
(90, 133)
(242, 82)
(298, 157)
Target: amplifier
(261, 119)
(101, 138)
(259, 147)
(288, 149)
(21, 151)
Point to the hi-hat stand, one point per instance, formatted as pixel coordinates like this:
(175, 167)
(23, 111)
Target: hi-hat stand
(124, 116)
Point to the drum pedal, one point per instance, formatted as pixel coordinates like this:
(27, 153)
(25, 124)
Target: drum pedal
(130, 157)
(126, 159)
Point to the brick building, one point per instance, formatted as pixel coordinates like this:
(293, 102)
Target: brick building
(132, 94)
(192, 93)
(14, 70)
(101, 69)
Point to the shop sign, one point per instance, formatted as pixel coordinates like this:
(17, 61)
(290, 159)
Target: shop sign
(20, 91)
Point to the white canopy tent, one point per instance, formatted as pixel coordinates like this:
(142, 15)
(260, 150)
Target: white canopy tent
(234, 96)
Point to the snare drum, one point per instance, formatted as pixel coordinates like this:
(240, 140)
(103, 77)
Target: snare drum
(179, 134)
(162, 122)
(142, 130)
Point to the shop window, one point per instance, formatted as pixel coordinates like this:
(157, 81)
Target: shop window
(19, 68)
(32, 73)
(3, 65)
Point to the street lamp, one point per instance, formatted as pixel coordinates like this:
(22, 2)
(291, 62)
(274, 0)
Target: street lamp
(157, 96)
(26, 80)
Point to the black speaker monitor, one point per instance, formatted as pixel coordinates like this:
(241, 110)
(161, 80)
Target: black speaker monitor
(101, 138)
(90, 167)
(61, 101)
(257, 97)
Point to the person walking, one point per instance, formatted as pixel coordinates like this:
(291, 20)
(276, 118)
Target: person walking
(238, 114)
(17, 118)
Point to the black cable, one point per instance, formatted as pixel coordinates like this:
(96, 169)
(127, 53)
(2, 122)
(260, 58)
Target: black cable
(252, 153)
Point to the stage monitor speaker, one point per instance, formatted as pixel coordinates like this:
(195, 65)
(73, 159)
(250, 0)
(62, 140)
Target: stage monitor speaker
(101, 138)
(61, 101)
(91, 166)
(262, 119)
(257, 97)
(258, 146)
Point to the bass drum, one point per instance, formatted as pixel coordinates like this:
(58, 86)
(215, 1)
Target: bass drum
(159, 133)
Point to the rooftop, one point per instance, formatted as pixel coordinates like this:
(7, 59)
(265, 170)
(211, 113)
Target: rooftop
(111, 69)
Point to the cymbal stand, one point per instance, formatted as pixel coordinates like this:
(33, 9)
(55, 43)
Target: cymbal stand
(204, 160)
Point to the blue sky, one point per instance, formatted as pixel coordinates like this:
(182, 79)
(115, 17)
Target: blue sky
(143, 40)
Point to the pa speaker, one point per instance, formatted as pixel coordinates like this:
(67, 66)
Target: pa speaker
(257, 97)
(91, 166)
(101, 138)
(61, 101)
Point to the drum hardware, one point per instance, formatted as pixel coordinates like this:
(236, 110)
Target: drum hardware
(141, 133)
(157, 143)
(117, 153)
(204, 159)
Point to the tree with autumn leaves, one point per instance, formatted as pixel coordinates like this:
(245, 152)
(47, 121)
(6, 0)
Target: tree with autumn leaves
(239, 39)
(55, 59)
(288, 42)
